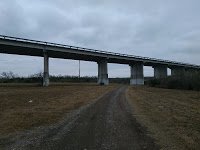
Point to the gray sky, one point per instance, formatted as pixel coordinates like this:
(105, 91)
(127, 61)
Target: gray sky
(166, 29)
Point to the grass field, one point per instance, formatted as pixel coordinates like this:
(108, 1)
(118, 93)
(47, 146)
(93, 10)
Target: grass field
(26, 106)
(172, 117)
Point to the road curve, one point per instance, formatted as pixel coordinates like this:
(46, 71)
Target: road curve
(106, 124)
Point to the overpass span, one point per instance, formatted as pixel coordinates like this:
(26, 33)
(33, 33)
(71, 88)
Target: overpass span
(21, 46)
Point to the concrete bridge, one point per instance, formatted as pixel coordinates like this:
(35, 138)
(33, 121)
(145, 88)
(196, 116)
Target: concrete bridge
(20, 46)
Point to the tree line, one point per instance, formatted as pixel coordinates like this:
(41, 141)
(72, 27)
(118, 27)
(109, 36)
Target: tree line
(187, 81)
(10, 77)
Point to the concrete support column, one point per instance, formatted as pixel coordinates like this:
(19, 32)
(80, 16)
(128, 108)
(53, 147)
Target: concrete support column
(160, 72)
(137, 74)
(103, 73)
(46, 70)
(179, 71)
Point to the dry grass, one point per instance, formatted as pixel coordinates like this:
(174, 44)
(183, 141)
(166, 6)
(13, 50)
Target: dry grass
(171, 116)
(48, 105)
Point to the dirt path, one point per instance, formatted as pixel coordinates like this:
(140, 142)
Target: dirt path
(106, 124)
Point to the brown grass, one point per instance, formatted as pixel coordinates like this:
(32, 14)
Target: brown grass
(171, 116)
(48, 105)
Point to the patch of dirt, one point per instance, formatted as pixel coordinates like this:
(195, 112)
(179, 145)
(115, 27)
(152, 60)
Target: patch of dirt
(172, 116)
(27, 106)
(104, 124)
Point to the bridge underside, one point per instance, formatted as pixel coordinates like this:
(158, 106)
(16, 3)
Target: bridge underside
(31, 49)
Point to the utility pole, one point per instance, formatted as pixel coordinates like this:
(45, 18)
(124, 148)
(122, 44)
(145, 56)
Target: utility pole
(79, 76)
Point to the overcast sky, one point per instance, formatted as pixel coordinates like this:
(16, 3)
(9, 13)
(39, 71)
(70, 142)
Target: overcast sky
(166, 29)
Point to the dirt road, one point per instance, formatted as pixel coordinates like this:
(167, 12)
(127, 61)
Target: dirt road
(105, 124)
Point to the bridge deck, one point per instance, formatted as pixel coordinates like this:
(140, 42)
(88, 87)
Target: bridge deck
(19, 46)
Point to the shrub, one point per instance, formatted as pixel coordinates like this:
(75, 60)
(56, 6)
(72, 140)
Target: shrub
(188, 81)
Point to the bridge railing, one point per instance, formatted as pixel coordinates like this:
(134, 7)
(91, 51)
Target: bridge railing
(94, 50)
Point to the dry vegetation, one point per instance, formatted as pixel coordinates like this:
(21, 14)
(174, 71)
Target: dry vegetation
(171, 116)
(23, 107)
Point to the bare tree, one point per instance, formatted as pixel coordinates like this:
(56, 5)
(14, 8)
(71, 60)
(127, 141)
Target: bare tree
(8, 75)
(37, 75)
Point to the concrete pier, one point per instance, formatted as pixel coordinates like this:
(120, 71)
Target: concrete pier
(46, 70)
(137, 74)
(178, 71)
(103, 73)
(160, 71)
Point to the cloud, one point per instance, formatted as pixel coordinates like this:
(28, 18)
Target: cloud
(161, 29)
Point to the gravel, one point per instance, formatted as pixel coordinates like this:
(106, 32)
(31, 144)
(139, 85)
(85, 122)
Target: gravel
(107, 123)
